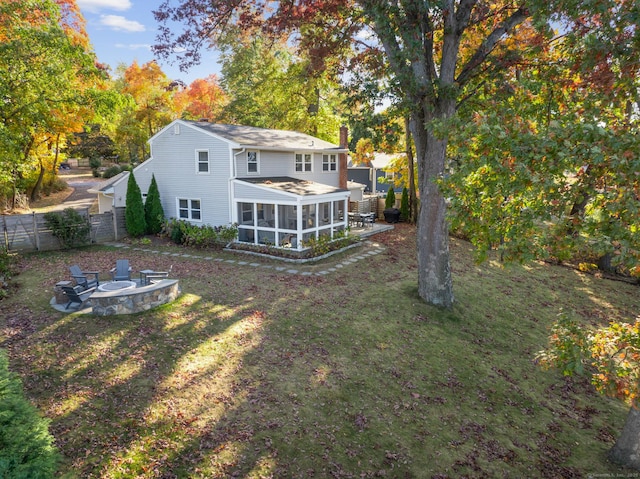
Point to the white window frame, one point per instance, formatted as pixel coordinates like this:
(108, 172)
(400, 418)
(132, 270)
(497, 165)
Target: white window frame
(257, 162)
(199, 162)
(302, 163)
(190, 209)
(329, 162)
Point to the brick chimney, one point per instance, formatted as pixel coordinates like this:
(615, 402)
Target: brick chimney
(342, 157)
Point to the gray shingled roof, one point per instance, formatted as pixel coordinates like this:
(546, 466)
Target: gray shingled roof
(253, 137)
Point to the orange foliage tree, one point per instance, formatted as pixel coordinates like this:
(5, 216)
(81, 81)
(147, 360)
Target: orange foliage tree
(203, 98)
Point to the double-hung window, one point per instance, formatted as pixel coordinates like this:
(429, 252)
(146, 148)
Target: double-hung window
(189, 209)
(303, 162)
(252, 162)
(329, 163)
(202, 162)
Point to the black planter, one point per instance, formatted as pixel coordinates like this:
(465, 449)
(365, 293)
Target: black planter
(391, 215)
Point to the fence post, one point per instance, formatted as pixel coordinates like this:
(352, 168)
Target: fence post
(35, 231)
(5, 233)
(92, 234)
(114, 217)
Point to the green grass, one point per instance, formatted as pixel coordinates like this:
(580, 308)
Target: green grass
(258, 373)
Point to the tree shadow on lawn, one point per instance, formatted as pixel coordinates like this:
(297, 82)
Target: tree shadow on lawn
(125, 392)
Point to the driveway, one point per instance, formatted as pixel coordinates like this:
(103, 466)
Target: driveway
(81, 180)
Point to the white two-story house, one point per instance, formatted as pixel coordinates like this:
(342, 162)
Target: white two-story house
(280, 187)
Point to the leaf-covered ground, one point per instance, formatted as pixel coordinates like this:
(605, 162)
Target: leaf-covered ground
(257, 373)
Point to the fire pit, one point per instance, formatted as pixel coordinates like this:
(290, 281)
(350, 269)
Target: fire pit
(117, 286)
(122, 297)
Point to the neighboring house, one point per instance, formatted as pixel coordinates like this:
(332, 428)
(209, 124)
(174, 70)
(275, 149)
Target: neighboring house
(280, 187)
(374, 176)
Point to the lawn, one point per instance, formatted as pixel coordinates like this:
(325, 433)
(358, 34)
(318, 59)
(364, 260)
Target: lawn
(258, 373)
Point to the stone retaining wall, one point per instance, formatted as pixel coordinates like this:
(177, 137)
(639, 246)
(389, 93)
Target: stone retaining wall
(129, 301)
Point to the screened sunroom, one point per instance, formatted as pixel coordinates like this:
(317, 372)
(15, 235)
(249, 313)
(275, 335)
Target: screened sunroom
(288, 213)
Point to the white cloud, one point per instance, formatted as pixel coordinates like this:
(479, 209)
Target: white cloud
(97, 5)
(118, 22)
(133, 46)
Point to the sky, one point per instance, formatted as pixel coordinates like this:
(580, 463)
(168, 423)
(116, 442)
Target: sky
(122, 31)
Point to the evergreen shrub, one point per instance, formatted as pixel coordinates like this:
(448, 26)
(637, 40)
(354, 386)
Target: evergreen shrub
(390, 200)
(153, 211)
(27, 450)
(111, 171)
(134, 210)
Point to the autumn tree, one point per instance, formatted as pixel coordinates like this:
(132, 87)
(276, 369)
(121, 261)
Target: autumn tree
(152, 92)
(543, 160)
(48, 77)
(610, 355)
(203, 98)
(363, 154)
(270, 87)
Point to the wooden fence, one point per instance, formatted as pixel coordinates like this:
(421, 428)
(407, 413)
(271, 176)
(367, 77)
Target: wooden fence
(25, 233)
(372, 204)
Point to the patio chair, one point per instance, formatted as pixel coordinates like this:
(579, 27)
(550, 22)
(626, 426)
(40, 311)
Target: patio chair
(368, 219)
(76, 297)
(122, 271)
(82, 278)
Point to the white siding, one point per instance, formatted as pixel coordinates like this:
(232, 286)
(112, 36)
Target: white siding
(282, 163)
(174, 167)
(120, 192)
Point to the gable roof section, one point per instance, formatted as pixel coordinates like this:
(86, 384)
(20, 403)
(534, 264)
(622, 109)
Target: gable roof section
(379, 161)
(107, 185)
(263, 138)
(293, 186)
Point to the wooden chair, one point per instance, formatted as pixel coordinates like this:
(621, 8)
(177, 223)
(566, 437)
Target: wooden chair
(122, 271)
(76, 297)
(82, 278)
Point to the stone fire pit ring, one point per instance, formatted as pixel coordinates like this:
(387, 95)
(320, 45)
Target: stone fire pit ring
(129, 300)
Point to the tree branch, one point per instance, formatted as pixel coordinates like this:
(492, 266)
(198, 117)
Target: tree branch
(487, 46)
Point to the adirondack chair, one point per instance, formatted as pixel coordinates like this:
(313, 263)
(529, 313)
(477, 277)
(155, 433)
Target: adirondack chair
(75, 296)
(83, 278)
(122, 271)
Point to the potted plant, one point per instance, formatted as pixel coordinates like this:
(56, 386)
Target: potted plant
(391, 213)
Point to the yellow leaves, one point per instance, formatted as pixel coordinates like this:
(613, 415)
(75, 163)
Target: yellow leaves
(587, 267)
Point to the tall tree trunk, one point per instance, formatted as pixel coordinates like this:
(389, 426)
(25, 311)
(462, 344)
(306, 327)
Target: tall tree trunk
(413, 203)
(54, 168)
(434, 272)
(626, 451)
(35, 193)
